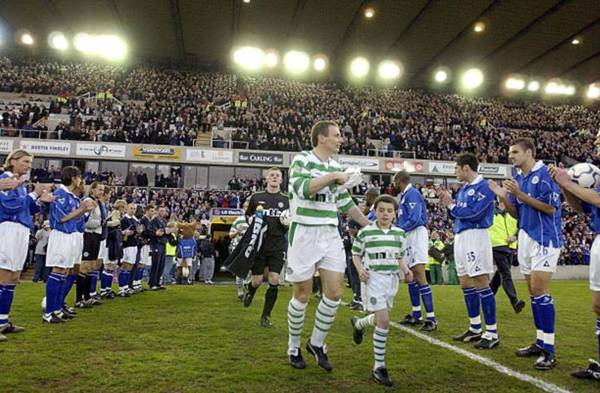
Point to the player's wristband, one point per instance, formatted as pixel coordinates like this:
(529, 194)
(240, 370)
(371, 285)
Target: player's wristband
(451, 206)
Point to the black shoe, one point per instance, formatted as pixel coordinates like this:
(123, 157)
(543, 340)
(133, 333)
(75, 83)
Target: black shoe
(530, 351)
(52, 319)
(429, 326)
(380, 375)
(241, 297)
(546, 361)
(110, 295)
(357, 334)
(65, 314)
(265, 321)
(248, 296)
(161, 288)
(592, 372)
(69, 309)
(409, 320)
(487, 342)
(354, 305)
(297, 361)
(123, 294)
(83, 304)
(320, 354)
(95, 302)
(518, 306)
(468, 336)
(11, 328)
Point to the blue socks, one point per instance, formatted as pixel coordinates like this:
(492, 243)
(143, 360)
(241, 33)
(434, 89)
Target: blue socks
(67, 285)
(427, 297)
(545, 311)
(93, 282)
(7, 293)
(536, 321)
(123, 280)
(472, 302)
(106, 281)
(488, 305)
(54, 287)
(415, 301)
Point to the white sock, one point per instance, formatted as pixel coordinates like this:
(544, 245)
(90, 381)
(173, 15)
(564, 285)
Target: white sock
(296, 314)
(365, 322)
(379, 341)
(323, 320)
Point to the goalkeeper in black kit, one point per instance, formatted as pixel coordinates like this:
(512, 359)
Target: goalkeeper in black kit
(271, 256)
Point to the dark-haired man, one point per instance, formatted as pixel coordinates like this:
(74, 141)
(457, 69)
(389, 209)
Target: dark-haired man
(533, 198)
(473, 213)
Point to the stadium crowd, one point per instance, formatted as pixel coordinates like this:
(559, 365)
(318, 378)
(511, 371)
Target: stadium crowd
(168, 106)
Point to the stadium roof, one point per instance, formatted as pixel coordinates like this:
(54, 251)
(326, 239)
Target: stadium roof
(531, 37)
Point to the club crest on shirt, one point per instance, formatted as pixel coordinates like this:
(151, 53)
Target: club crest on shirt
(535, 180)
(373, 300)
(471, 192)
(280, 204)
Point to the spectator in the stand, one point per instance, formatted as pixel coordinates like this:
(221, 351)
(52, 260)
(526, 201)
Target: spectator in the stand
(41, 237)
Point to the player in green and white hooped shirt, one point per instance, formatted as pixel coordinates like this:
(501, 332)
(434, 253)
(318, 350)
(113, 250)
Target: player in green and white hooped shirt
(237, 230)
(378, 254)
(314, 241)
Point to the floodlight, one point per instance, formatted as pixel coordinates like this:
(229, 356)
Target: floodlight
(359, 67)
(479, 27)
(296, 62)
(26, 39)
(593, 91)
(533, 86)
(58, 41)
(389, 70)
(271, 59)
(320, 63)
(472, 78)
(249, 57)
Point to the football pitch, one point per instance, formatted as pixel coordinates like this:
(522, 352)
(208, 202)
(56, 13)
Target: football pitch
(201, 339)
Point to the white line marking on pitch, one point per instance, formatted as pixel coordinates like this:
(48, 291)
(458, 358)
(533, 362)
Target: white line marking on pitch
(547, 386)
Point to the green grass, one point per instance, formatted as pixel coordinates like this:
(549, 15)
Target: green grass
(195, 339)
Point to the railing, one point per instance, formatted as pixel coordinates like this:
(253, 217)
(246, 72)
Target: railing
(398, 154)
(230, 144)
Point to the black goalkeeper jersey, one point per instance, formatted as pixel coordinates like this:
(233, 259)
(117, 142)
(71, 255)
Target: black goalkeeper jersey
(273, 205)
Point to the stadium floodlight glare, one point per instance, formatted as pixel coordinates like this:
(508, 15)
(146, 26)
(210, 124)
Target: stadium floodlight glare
(271, 59)
(249, 58)
(26, 39)
(247, 1)
(440, 76)
(569, 90)
(84, 43)
(576, 41)
(369, 12)
(320, 63)
(472, 78)
(296, 62)
(58, 41)
(593, 91)
(359, 67)
(389, 70)
(111, 47)
(479, 27)
(533, 86)
(514, 83)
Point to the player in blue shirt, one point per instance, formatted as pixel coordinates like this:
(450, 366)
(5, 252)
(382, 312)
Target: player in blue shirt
(16, 208)
(413, 218)
(533, 198)
(473, 213)
(586, 201)
(63, 244)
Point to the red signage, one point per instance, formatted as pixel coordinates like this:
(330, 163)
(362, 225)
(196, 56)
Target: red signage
(405, 165)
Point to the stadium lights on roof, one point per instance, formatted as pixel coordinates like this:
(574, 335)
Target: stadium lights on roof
(27, 39)
(296, 62)
(359, 67)
(271, 58)
(533, 86)
(556, 87)
(479, 27)
(389, 70)
(369, 12)
(441, 75)
(576, 41)
(58, 41)
(472, 78)
(593, 91)
(110, 47)
(320, 63)
(247, 1)
(515, 83)
(249, 58)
